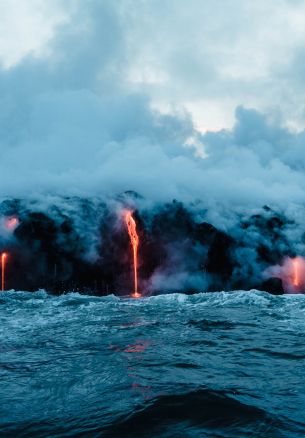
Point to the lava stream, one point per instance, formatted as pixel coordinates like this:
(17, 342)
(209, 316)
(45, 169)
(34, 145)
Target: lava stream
(134, 240)
(296, 272)
(3, 260)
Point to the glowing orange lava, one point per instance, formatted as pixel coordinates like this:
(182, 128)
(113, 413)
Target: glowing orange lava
(3, 260)
(134, 240)
(296, 272)
(11, 223)
(293, 275)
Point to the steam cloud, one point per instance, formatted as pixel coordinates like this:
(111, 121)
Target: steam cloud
(72, 125)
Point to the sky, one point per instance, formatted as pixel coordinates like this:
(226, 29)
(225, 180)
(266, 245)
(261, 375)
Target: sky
(207, 56)
(191, 100)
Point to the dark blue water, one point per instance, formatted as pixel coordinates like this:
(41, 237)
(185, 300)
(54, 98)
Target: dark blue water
(207, 365)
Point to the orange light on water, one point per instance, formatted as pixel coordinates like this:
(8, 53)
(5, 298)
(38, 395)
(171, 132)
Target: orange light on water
(3, 263)
(134, 240)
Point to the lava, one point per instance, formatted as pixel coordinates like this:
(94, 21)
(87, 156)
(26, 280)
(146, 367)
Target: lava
(134, 240)
(3, 261)
(297, 275)
(296, 272)
(292, 274)
(11, 223)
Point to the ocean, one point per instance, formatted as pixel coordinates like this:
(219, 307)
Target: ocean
(224, 364)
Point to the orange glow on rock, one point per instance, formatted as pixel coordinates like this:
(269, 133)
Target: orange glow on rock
(134, 240)
(3, 262)
(11, 223)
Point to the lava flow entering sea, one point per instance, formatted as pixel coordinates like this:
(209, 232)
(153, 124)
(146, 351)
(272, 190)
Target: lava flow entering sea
(3, 261)
(134, 240)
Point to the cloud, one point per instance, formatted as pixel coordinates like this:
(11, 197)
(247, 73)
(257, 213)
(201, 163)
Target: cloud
(74, 122)
(213, 57)
(27, 27)
(204, 57)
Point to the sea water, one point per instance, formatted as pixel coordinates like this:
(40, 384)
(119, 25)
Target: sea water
(205, 365)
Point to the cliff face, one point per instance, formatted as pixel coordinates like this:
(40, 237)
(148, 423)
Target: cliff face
(74, 244)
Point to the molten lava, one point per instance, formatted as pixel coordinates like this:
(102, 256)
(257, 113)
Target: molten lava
(296, 281)
(134, 240)
(3, 260)
(11, 223)
(292, 274)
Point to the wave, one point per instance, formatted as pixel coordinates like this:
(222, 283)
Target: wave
(199, 413)
(219, 339)
(251, 298)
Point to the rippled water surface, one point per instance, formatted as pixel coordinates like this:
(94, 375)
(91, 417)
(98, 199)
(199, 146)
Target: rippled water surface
(207, 365)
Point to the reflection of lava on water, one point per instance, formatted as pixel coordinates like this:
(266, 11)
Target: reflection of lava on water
(135, 351)
(292, 274)
(139, 347)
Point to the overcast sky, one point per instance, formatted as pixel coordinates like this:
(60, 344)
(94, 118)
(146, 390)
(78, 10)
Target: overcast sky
(197, 99)
(208, 56)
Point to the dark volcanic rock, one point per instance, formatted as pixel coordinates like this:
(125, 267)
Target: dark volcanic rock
(75, 244)
(273, 285)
